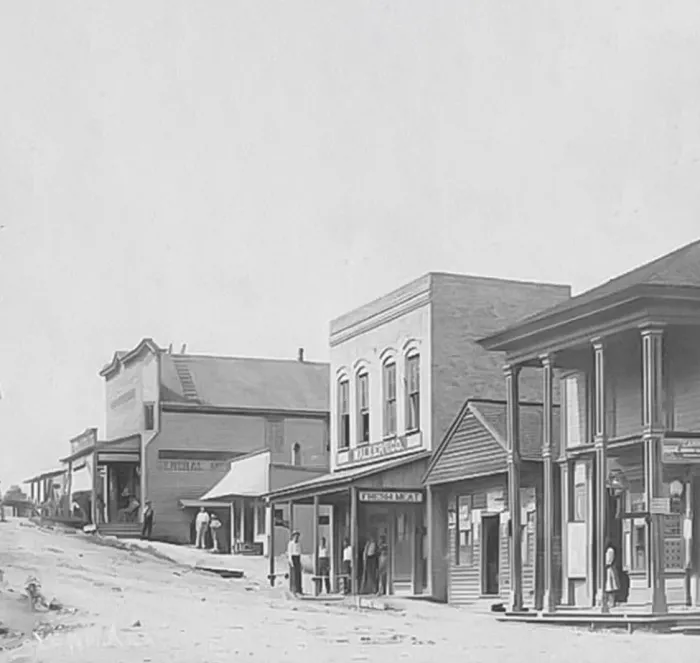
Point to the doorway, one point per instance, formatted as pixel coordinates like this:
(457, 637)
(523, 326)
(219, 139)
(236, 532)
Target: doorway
(490, 554)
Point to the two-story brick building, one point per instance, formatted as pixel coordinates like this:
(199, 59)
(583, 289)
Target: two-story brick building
(627, 357)
(186, 417)
(401, 368)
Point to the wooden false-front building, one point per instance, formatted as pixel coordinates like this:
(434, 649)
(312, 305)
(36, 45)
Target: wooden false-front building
(627, 359)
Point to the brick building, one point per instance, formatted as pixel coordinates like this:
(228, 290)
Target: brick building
(401, 369)
(190, 417)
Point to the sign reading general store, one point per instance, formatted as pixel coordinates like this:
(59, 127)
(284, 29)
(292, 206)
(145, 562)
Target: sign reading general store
(681, 451)
(402, 496)
(367, 452)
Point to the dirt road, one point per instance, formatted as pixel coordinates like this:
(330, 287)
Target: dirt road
(133, 607)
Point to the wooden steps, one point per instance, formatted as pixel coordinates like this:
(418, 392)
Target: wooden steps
(120, 530)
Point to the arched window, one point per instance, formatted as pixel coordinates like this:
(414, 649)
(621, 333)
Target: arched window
(296, 454)
(389, 397)
(362, 407)
(343, 413)
(413, 392)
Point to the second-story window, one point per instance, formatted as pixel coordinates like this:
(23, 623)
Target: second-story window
(149, 416)
(413, 393)
(343, 414)
(575, 412)
(363, 408)
(389, 399)
(296, 454)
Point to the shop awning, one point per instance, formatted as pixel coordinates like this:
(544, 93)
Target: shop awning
(196, 504)
(81, 481)
(249, 476)
(340, 479)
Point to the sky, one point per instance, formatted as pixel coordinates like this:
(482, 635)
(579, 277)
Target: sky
(233, 174)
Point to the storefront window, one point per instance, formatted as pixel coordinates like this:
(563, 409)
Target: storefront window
(464, 544)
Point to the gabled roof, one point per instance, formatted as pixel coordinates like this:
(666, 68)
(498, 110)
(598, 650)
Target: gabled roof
(476, 443)
(242, 382)
(125, 356)
(680, 268)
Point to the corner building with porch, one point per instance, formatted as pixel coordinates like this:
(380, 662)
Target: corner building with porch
(626, 356)
(401, 368)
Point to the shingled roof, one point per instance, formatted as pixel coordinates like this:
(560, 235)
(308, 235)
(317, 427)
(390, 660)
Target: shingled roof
(476, 443)
(680, 268)
(243, 382)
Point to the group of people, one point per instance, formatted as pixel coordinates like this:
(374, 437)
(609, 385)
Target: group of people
(375, 566)
(207, 522)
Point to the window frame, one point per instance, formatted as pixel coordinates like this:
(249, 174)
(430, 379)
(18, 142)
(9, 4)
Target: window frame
(343, 412)
(149, 416)
(413, 392)
(296, 454)
(261, 518)
(389, 399)
(363, 410)
(468, 549)
(583, 397)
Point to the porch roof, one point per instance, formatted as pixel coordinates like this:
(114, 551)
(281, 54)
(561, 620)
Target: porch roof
(248, 476)
(676, 275)
(475, 444)
(46, 475)
(126, 443)
(335, 481)
(196, 504)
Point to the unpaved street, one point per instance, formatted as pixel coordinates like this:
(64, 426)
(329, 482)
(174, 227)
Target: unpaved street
(132, 607)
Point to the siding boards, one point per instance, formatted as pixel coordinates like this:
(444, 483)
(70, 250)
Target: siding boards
(471, 450)
(684, 372)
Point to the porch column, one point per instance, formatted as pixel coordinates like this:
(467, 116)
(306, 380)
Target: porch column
(241, 530)
(548, 482)
(601, 469)
(354, 540)
(512, 374)
(317, 584)
(652, 416)
(271, 543)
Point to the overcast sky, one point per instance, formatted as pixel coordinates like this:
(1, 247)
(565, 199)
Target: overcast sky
(235, 174)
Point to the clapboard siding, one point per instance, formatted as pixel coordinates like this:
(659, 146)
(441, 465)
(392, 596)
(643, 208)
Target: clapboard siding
(683, 352)
(465, 586)
(471, 448)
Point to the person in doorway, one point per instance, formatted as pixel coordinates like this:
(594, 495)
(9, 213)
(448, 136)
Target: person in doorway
(612, 579)
(369, 566)
(383, 567)
(201, 524)
(324, 565)
(347, 567)
(147, 528)
(294, 558)
(214, 527)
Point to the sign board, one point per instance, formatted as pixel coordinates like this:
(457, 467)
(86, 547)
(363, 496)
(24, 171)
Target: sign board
(681, 451)
(660, 506)
(396, 496)
(192, 465)
(495, 500)
(118, 458)
(379, 450)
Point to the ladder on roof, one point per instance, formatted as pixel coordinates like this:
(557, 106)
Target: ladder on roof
(189, 389)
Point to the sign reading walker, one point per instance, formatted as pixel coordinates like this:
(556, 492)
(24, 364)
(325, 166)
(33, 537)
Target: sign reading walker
(403, 496)
(376, 451)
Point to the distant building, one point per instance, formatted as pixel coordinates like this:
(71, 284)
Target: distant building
(401, 368)
(177, 425)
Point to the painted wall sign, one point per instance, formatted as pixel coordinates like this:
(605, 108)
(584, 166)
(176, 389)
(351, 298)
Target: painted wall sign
(123, 399)
(192, 466)
(681, 451)
(372, 451)
(404, 496)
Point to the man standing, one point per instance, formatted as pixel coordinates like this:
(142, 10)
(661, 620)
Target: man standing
(147, 528)
(201, 525)
(324, 566)
(294, 557)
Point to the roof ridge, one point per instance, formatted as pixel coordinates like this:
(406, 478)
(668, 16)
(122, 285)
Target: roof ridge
(240, 358)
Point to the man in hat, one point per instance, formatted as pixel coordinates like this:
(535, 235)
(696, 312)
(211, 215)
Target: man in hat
(294, 557)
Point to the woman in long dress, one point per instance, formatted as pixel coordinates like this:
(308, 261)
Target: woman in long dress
(612, 580)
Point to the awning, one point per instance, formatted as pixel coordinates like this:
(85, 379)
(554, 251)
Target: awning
(340, 479)
(249, 476)
(81, 481)
(196, 504)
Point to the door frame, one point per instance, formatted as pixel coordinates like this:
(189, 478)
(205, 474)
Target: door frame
(492, 517)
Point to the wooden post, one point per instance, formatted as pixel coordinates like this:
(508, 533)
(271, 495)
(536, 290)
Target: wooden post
(317, 584)
(291, 532)
(548, 483)
(271, 543)
(688, 537)
(513, 440)
(354, 540)
(652, 380)
(601, 468)
(95, 478)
